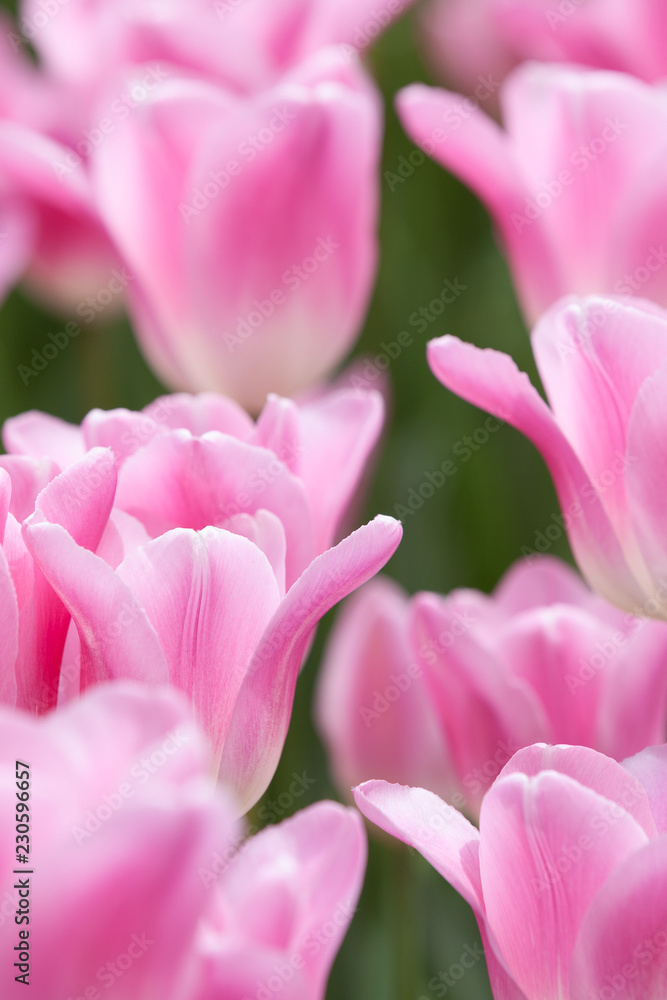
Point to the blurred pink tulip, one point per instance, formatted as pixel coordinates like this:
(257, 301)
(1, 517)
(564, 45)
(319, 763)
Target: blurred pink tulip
(440, 692)
(574, 184)
(254, 247)
(143, 884)
(282, 908)
(468, 39)
(373, 707)
(244, 44)
(603, 363)
(122, 815)
(567, 874)
(50, 234)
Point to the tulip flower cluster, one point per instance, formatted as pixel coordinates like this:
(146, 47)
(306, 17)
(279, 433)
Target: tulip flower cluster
(213, 168)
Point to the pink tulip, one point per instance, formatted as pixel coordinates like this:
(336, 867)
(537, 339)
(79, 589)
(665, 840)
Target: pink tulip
(216, 559)
(245, 44)
(440, 692)
(303, 462)
(373, 707)
(50, 234)
(34, 621)
(253, 250)
(603, 363)
(282, 908)
(573, 183)
(121, 818)
(467, 39)
(134, 876)
(567, 874)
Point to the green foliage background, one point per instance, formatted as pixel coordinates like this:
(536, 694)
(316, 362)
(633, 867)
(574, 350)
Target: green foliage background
(410, 925)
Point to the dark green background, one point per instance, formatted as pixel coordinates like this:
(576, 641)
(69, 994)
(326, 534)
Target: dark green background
(410, 924)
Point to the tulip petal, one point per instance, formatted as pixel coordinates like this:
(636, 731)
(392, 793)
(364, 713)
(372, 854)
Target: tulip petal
(39, 435)
(209, 596)
(367, 658)
(468, 142)
(439, 832)
(644, 479)
(491, 380)
(548, 844)
(180, 481)
(326, 845)
(117, 639)
(622, 946)
(261, 716)
(650, 768)
(603, 775)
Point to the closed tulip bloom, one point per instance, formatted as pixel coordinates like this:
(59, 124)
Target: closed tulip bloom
(141, 878)
(281, 908)
(246, 45)
(373, 706)
(603, 363)
(573, 182)
(441, 691)
(121, 814)
(567, 874)
(254, 252)
(467, 39)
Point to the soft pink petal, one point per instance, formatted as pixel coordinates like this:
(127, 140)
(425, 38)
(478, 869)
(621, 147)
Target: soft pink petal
(207, 411)
(547, 845)
(439, 832)
(622, 946)
(294, 879)
(465, 140)
(180, 481)
(209, 596)
(540, 582)
(650, 768)
(486, 712)
(373, 707)
(604, 776)
(644, 478)
(39, 435)
(261, 716)
(491, 380)
(117, 639)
